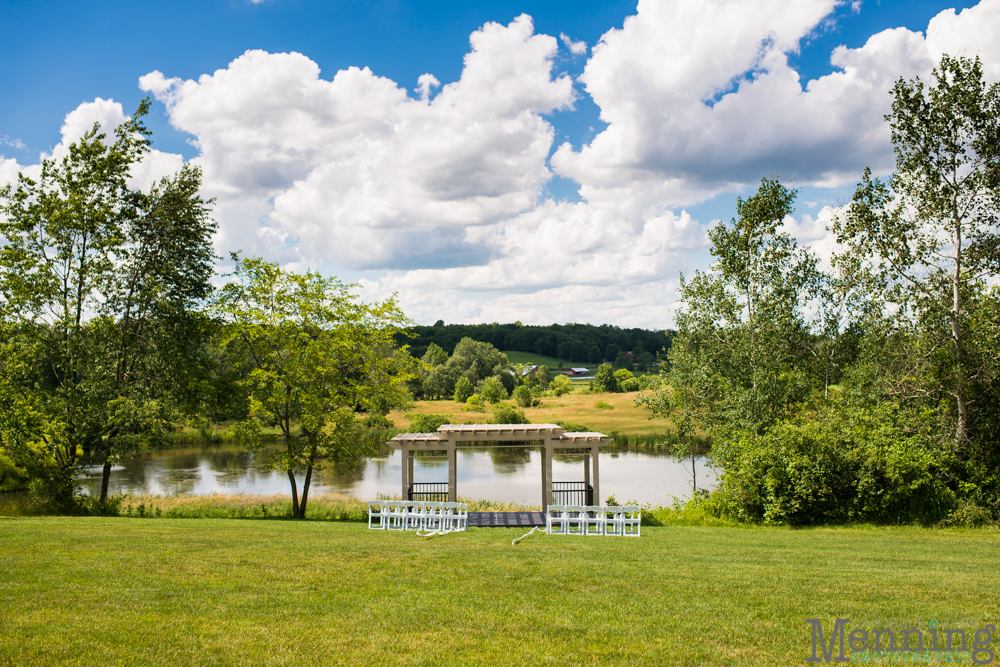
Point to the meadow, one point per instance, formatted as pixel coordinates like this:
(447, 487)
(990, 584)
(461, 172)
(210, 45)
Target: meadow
(577, 407)
(129, 591)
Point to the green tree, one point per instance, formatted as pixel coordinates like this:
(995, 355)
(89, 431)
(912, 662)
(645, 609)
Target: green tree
(463, 389)
(522, 396)
(492, 390)
(100, 274)
(932, 229)
(313, 354)
(561, 385)
(604, 381)
(507, 414)
(435, 355)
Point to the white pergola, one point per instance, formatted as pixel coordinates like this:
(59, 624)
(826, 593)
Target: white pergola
(551, 437)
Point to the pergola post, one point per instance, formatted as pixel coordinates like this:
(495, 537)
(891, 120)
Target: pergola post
(406, 469)
(452, 473)
(595, 451)
(547, 489)
(586, 468)
(545, 481)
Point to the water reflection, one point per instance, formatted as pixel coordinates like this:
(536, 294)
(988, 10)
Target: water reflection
(501, 473)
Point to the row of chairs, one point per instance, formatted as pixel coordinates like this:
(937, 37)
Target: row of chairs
(593, 520)
(417, 515)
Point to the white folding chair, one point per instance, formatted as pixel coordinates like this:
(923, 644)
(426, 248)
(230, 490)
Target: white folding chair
(463, 516)
(576, 518)
(433, 513)
(397, 515)
(555, 520)
(631, 520)
(414, 515)
(614, 520)
(593, 520)
(450, 520)
(378, 514)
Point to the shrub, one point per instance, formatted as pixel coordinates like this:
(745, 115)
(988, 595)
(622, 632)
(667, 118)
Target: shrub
(463, 389)
(427, 423)
(377, 421)
(630, 384)
(504, 413)
(572, 427)
(561, 385)
(522, 395)
(601, 405)
(493, 391)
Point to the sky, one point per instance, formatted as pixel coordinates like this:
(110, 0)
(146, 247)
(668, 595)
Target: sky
(543, 162)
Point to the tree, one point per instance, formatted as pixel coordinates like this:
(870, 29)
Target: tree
(463, 389)
(313, 355)
(507, 414)
(522, 396)
(932, 228)
(561, 385)
(604, 381)
(435, 355)
(100, 273)
(594, 354)
(493, 390)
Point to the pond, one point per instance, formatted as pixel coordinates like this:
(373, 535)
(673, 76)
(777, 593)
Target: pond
(495, 473)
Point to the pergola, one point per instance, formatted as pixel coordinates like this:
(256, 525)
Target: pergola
(551, 437)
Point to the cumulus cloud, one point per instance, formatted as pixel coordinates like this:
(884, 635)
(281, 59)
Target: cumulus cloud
(355, 170)
(441, 188)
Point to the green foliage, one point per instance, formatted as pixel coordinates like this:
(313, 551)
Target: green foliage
(561, 385)
(504, 413)
(435, 355)
(604, 381)
(492, 390)
(475, 361)
(602, 405)
(312, 354)
(573, 427)
(841, 468)
(463, 390)
(98, 279)
(522, 396)
(626, 380)
(427, 423)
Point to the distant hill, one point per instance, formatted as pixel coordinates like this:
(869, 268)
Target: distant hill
(569, 343)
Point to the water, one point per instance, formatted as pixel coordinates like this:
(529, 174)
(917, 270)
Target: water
(496, 473)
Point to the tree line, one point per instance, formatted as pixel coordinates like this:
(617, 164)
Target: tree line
(579, 343)
(868, 390)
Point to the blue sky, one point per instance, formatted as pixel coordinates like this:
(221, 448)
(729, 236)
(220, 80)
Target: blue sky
(472, 207)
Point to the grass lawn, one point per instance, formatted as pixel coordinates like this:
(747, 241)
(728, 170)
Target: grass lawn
(273, 592)
(542, 360)
(577, 408)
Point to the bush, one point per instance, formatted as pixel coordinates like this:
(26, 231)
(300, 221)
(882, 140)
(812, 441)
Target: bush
(561, 385)
(573, 427)
(604, 381)
(493, 391)
(624, 375)
(522, 395)
(601, 405)
(376, 421)
(427, 423)
(463, 389)
(504, 413)
(856, 468)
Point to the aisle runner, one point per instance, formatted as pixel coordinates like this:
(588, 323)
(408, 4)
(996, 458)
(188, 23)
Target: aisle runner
(528, 519)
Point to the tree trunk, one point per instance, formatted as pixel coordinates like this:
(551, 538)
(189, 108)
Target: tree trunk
(295, 493)
(305, 492)
(105, 481)
(962, 428)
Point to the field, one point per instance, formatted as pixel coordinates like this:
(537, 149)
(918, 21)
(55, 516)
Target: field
(576, 407)
(542, 360)
(275, 592)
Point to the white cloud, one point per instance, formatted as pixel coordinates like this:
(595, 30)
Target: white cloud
(358, 171)
(576, 48)
(441, 188)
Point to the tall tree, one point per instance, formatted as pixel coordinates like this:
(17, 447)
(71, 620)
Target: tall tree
(931, 229)
(88, 266)
(313, 355)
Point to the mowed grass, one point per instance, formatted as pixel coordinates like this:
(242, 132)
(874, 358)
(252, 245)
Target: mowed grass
(217, 592)
(577, 408)
(542, 360)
